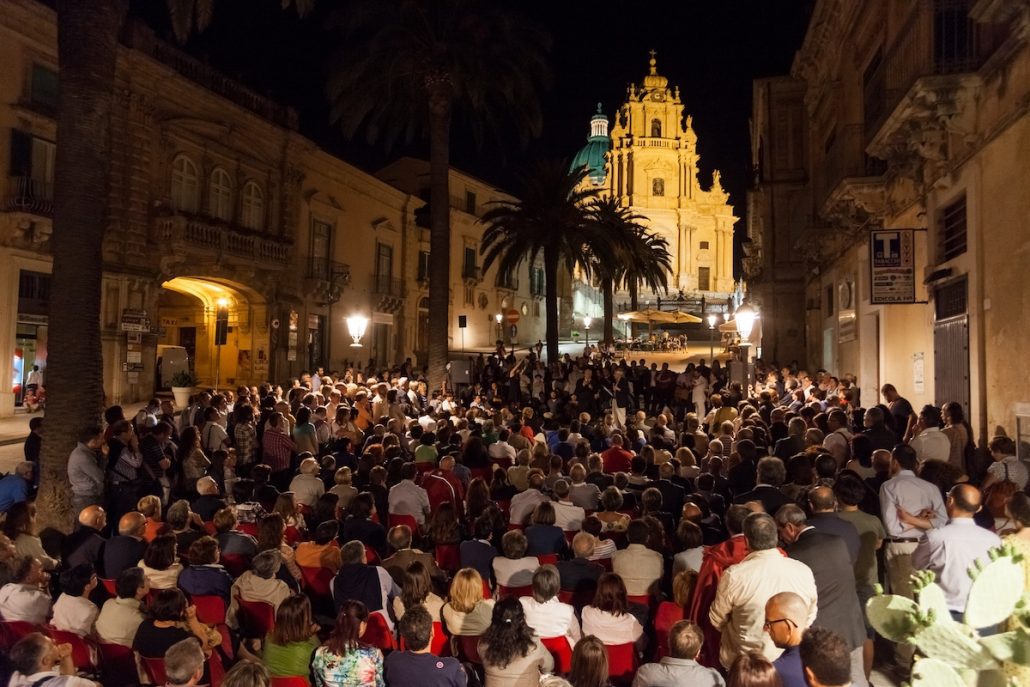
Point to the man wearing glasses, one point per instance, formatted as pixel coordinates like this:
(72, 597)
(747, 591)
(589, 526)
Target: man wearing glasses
(786, 618)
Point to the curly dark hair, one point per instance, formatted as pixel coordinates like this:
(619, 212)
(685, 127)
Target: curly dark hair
(508, 636)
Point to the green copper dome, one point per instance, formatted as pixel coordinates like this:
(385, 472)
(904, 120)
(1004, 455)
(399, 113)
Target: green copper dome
(594, 154)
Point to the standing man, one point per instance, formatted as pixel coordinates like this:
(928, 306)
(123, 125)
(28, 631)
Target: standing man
(620, 397)
(33, 445)
(84, 471)
(901, 410)
(929, 441)
(908, 507)
(786, 619)
(949, 551)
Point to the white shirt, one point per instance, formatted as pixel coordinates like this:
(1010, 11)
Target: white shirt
(54, 679)
(407, 498)
(307, 489)
(931, 444)
(551, 618)
(738, 610)
(118, 621)
(523, 503)
(914, 494)
(515, 572)
(689, 559)
(611, 629)
(74, 614)
(949, 551)
(1017, 472)
(501, 449)
(568, 516)
(24, 602)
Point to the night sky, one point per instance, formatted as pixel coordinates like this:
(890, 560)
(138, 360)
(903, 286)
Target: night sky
(711, 50)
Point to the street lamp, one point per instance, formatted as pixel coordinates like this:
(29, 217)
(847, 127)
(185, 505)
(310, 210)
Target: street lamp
(712, 319)
(221, 334)
(586, 325)
(745, 319)
(356, 325)
(500, 332)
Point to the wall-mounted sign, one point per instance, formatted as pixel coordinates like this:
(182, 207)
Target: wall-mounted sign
(134, 320)
(892, 270)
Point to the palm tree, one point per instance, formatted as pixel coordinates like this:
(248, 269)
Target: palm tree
(550, 219)
(87, 49)
(641, 257)
(407, 67)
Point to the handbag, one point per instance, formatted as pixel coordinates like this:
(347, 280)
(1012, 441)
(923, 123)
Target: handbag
(998, 494)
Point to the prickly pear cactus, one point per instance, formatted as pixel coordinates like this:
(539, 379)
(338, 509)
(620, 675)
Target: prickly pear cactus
(954, 654)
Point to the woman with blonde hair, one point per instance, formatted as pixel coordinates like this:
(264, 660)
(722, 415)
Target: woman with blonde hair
(344, 488)
(150, 507)
(688, 463)
(467, 613)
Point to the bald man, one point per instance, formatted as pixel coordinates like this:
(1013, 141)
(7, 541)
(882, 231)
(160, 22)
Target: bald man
(823, 505)
(949, 551)
(786, 619)
(86, 544)
(126, 549)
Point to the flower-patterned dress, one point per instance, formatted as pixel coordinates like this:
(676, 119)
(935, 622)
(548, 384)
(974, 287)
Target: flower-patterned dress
(359, 667)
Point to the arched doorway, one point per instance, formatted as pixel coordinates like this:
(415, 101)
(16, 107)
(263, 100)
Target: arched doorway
(188, 312)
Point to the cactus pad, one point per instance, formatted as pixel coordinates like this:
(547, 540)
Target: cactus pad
(930, 672)
(932, 602)
(991, 600)
(956, 645)
(894, 617)
(1013, 647)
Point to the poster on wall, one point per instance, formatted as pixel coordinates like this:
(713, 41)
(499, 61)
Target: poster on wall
(892, 270)
(918, 373)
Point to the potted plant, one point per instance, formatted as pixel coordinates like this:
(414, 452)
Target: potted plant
(182, 387)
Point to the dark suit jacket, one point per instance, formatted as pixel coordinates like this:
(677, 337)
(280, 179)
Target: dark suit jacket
(398, 563)
(742, 477)
(602, 480)
(771, 498)
(121, 553)
(206, 506)
(881, 437)
(789, 447)
(579, 574)
(672, 495)
(839, 608)
(84, 545)
(479, 555)
(831, 524)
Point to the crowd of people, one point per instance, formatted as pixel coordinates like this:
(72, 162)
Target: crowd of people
(591, 522)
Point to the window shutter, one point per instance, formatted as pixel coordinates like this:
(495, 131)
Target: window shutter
(21, 154)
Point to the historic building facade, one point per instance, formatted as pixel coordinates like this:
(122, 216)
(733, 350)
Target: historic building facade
(219, 206)
(897, 117)
(650, 163)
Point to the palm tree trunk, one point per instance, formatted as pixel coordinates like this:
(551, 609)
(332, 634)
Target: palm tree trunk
(439, 237)
(551, 301)
(608, 296)
(87, 48)
(633, 306)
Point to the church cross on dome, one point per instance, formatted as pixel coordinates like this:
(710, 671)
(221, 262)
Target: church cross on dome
(654, 62)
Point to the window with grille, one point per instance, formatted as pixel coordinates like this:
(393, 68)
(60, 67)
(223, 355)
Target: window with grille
(951, 299)
(952, 230)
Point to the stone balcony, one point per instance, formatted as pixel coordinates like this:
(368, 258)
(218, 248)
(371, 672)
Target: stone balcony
(207, 240)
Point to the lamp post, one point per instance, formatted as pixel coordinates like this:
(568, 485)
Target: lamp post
(712, 318)
(500, 332)
(587, 320)
(221, 334)
(745, 319)
(356, 325)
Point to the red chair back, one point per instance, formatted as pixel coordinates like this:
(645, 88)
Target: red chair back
(448, 557)
(622, 662)
(235, 563)
(257, 617)
(486, 589)
(371, 557)
(209, 527)
(290, 681)
(667, 615)
(570, 535)
(396, 519)
(548, 559)
(317, 580)
(84, 654)
(468, 647)
(641, 600)
(561, 651)
(156, 670)
(293, 535)
(109, 585)
(118, 662)
(440, 644)
(504, 592)
(210, 608)
(577, 599)
(248, 528)
(378, 634)
(605, 563)
(13, 630)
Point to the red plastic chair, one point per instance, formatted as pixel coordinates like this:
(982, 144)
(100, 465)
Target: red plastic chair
(119, 663)
(84, 653)
(440, 644)
(371, 557)
(504, 592)
(235, 563)
(561, 651)
(293, 535)
(667, 615)
(642, 599)
(570, 535)
(318, 581)
(257, 617)
(622, 662)
(290, 681)
(155, 669)
(109, 585)
(486, 589)
(250, 528)
(210, 609)
(13, 630)
(209, 527)
(378, 633)
(468, 648)
(548, 559)
(448, 557)
(397, 519)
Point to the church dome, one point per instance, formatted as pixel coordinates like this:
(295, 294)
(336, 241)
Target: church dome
(594, 154)
(654, 81)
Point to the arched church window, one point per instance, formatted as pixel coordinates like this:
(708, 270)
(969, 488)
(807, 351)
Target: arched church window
(658, 186)
(220, 195)
(656, 128)
(185, 185)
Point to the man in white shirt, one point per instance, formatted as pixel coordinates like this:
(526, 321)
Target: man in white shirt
(24, 597)
(949, 551)
(407, 498)
(582, 493)
(38, 660)
(501, 449)
(640, 568)
(307, 486)
(567, 515)
(930, 443)
(523, 503)
(121, 617)
(73, 611)
(738, 610)
(838, 440)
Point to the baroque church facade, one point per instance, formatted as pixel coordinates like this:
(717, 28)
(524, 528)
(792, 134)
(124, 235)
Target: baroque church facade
(649, 161)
